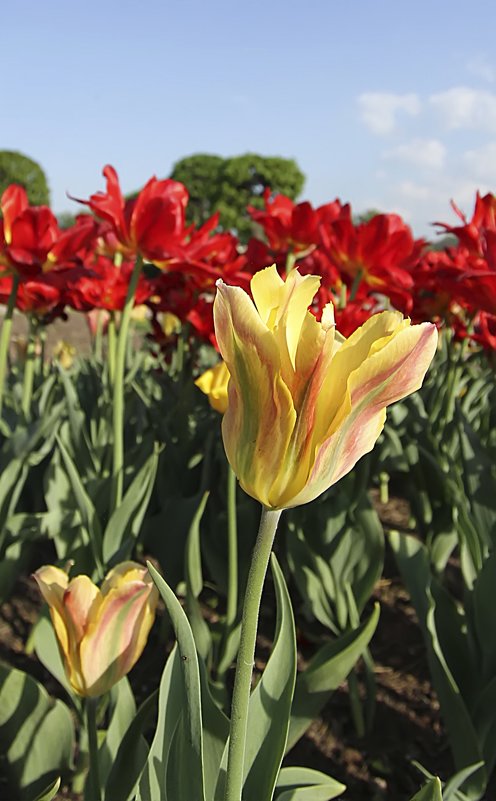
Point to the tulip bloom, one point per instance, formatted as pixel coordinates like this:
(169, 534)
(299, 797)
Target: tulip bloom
(101, 632)
(150, 224)
(214, 383)
(304, 403)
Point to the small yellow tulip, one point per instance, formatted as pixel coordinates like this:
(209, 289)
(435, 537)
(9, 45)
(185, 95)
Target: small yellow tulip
(213, 382)
(64, 353)
(101, 632)
(304, 404)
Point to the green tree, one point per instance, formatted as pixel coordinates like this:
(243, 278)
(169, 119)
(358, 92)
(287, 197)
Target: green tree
(229, 185)
(15, 168)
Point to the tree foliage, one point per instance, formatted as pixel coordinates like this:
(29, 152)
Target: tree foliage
(15, 168)
(229, 185)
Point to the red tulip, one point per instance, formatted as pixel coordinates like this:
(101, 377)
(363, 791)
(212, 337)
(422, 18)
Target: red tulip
(152, 224)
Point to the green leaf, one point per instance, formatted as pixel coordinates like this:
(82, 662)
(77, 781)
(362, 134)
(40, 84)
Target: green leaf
(153, 781)
(125, 523)
(306, 784)
(452, 788)
(482, 607)
(194, 584)
(47, 651)
(50, 791)
(131, 756)
(431, 791)
(122, 713)
(84, 503)
(36, 734)
(10, 479)
(185, 773)
(215, 734)
(326, 671)
(452, 670)
(270, 703)
(79, 437)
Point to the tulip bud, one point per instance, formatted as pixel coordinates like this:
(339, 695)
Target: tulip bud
(101, 632)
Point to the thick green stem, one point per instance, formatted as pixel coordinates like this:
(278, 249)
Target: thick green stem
(118, 405)
(111, 345)
(94, 771)
(290, 261)
(244, 665)
(98, 338)
(232, 550)
(5, 334)
(42, 340)
(29, 364)
(354, 287)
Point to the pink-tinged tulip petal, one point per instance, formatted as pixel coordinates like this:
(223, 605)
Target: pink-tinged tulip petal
(305, 404)
(81, 599)
(101, 632)
(387, 376)
(116, 637)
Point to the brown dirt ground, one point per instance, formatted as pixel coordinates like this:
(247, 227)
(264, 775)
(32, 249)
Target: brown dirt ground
(74, 331)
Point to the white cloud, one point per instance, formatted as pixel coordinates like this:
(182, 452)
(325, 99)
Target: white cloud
(462, 107)
(430, 201)
(413, 191)
(481, 162)
(379, 109)
(481, 67)
(429, 153)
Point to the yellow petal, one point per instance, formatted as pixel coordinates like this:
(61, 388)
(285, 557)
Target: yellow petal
(265, 287)
(388, 375)
(124, 573)
(260, 417)
(213, 382)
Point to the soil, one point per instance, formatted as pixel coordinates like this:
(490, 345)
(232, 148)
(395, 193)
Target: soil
(73, 331)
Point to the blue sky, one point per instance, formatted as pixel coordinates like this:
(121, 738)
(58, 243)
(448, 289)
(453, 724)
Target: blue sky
(390, 105)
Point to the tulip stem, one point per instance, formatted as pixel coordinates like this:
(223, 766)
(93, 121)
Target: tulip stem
(290, 262)
(94, 768)
(5, 334)
(232, 550)
(354, 287)
(244, 665)
(119, 370)
(27, 386)
(98, 338)
(111, 342)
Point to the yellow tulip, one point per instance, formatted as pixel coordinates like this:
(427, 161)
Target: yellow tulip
(304, 404)
(213, 382)
(64, 353)
(101, 632)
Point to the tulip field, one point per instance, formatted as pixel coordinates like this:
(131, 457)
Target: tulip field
(247, 533)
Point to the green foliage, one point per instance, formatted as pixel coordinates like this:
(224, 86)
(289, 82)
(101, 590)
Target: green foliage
(66, 219)
(30, 753)
(229, 185)
(15, 168)
(460, 650)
